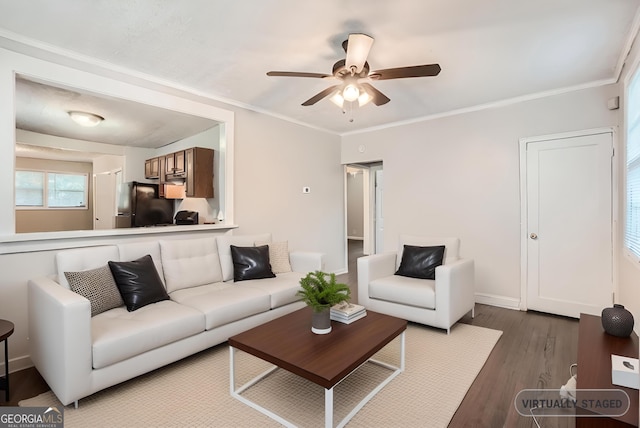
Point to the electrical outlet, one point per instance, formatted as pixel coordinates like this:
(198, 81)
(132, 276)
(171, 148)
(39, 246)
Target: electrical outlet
(306, 189)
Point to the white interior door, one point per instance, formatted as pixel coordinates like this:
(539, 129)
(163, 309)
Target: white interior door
(568, 225)
(104, 200)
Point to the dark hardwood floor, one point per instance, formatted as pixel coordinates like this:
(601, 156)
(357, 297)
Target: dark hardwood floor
(23, 384)
(535, 351)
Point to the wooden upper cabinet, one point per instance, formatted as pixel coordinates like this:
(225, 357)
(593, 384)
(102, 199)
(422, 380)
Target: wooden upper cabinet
(175, 164)
(199, 172)
(152, 168)
(193, 167)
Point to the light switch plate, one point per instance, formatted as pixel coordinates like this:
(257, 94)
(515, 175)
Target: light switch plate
(306, 189)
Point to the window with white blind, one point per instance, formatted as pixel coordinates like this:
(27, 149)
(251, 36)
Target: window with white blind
(50, 190)
(632, 225)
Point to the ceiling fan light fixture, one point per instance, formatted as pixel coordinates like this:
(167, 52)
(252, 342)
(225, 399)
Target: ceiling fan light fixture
(364, 98)
(350, 92)
(84, 118)
(337, 99)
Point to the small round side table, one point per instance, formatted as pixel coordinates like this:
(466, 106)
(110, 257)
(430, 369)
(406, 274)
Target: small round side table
(6, 330)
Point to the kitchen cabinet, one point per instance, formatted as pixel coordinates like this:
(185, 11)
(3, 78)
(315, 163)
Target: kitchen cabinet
(199, 172)
(174, 164)
(152, 168)
(191, 167)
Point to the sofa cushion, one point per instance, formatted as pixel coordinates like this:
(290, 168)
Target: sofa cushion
(404, 290)
(282, 289)
(278, 256)
(135, 250)
(250, 263)
(138, 282)
(451, 252)
(98, 286)
(420, 262)
(79, 259)
(118, 334)
(224, 249)
(222, 303)
(190, 262)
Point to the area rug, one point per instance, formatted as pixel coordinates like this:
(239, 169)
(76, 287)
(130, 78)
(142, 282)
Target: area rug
(194, 392)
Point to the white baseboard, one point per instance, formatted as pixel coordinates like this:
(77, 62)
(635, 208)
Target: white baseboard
(17, 364)
(499, 301)
(341, 271)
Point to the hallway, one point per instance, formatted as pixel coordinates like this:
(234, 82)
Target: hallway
(354, 251)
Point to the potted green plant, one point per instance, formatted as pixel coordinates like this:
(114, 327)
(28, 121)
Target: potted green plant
(320, 294)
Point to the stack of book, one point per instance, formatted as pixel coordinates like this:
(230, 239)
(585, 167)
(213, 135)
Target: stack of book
(347, 313)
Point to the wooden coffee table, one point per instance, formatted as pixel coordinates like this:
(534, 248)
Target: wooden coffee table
(287, 342)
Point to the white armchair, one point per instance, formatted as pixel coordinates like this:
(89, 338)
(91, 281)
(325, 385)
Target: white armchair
(438, 303)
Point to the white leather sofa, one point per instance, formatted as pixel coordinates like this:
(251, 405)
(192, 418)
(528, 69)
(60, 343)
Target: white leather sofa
(78, 354)
(438, 303)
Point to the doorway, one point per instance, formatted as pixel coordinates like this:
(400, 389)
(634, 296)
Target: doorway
(364, 220)
(567, 228)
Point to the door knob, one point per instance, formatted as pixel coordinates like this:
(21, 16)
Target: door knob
(533, 236)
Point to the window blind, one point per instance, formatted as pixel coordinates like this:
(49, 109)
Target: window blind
(44, 190)
(632, 223)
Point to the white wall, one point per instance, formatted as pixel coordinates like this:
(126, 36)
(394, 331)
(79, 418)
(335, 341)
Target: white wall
(274, 161)
(459, 176)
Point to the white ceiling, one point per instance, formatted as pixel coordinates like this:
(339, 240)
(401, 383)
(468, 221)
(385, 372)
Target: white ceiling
(44, 109)
(489, 51)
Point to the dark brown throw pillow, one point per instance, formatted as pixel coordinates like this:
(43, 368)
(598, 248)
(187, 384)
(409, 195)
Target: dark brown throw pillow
(420, 262)
(138, 282)
(251, 263)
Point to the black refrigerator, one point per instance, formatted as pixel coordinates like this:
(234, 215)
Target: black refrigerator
(139, 205)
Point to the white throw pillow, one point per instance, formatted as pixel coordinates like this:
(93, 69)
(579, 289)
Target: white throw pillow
(278, 256)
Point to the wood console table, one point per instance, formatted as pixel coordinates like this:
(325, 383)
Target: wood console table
(594, 368)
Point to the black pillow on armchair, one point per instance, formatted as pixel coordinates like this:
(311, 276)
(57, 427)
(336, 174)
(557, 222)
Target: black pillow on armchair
(420, 262)
(251, 263)
(139, 282)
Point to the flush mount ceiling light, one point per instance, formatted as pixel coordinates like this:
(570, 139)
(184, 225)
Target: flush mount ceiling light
(83, 118)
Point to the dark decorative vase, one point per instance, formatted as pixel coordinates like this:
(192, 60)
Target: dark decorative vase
(617, 321)
(321, 321)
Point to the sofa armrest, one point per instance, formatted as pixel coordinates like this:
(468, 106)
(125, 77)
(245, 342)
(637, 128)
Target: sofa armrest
(455, 288)
(371, 268)
(60, 337)
(305, 261)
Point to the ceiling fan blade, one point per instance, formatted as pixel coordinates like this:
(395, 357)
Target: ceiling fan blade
(298, 74)
(358, 47)
(378, 98)
(402, 72)
(317, 97)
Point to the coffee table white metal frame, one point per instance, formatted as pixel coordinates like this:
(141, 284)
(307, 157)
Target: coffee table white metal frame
(328, 392)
